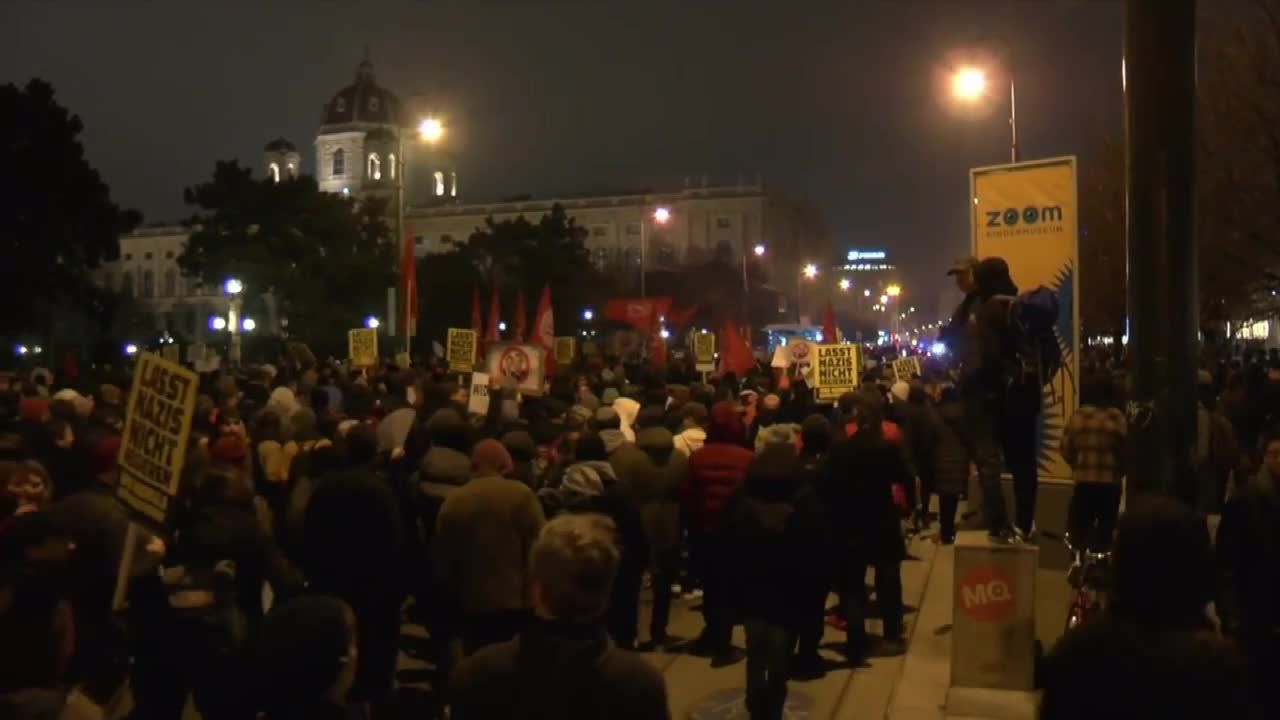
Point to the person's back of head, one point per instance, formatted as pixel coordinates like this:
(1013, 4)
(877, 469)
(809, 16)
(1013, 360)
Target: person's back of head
(446, 428)
(1163, 569)
(306, 656)
(574, 563)
(361, 445)
(590, 447)
(815, 435)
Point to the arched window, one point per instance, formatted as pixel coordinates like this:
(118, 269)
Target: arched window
(170, 283)
(293, 171)
(274, 170)
(148, 284)
(391, 162)
(339, 162)
(126, 285)
(439, 176)
(375, 167)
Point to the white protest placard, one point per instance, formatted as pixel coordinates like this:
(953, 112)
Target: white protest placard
(803, 353)
(781, 357)
(478, 404)
(524, 364)
(836, 370)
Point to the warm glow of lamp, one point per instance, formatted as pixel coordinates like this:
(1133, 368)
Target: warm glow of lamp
(430, 129)
(969, 83)
(811, 271)
(661, 215)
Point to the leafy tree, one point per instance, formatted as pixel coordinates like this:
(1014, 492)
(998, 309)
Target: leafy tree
(510, 255)
(324, 258)
(57, 220)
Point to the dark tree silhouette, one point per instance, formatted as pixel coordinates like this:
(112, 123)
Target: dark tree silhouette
(57, 220)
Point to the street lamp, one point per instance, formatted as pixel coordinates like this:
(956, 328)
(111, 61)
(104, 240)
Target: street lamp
(759, 250)
(893, 291)
(969, 85)
(661, 216)
(371, 322)
(588, 315)
(249, 324)
(430, 129)
(811, 271)
(845, 284)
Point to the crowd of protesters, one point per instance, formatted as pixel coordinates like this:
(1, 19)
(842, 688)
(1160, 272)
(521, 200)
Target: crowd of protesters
(524, 538)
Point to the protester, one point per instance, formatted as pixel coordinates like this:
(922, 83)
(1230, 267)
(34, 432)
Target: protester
(715, 473)
(773, 532)
(858, 496)
(563, 666)
(484, 531)
(1153, 652)
(1094, 446)
(951, 460)
(1247, 546)
(305, 660)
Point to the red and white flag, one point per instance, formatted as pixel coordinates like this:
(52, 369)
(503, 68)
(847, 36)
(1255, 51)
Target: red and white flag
(544, 327)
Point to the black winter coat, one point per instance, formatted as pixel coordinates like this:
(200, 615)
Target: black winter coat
(858, 495)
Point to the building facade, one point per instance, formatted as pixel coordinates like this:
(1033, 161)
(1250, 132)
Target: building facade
(365, 144)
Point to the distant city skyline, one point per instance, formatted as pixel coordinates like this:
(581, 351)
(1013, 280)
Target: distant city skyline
(840, 106)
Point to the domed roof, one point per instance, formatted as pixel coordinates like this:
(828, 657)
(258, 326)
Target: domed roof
(363, 102)
(280, 145)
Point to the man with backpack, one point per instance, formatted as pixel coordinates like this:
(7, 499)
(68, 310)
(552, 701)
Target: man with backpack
(1006, 349)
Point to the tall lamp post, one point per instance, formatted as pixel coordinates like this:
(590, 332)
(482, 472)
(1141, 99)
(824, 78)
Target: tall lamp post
(808, 272)
(430, 130)
(661, 216)
(969, 85)
(235, 289)
(759, 250)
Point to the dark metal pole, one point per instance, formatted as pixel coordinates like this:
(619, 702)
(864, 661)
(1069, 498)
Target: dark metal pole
(1159, 103)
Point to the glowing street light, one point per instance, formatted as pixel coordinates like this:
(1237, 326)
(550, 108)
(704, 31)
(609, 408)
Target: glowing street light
(588, 315)
(248, 324)
(430, 129)
(661, 215)
(217, 322)
(884, 299)
(371, 322)
(893, 290)
(759, 250)
(969, 84)
(130, 349)
(233, 286)
(502, 325)
(866, 293)
(811, 271)
(845, 284)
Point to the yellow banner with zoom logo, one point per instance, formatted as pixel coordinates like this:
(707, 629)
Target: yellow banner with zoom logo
(1027, 213)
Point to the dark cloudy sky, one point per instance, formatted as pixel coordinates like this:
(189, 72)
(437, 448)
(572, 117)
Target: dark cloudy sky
(834, 102)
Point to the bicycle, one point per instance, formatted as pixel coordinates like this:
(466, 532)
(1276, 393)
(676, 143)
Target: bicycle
(1089, 578)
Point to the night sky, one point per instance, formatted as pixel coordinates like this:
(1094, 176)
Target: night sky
(838, 103)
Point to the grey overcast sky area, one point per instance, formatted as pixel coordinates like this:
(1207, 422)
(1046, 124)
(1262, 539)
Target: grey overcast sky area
(841, 103)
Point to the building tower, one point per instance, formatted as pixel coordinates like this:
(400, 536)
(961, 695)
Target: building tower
(281, 160)
(359, 137)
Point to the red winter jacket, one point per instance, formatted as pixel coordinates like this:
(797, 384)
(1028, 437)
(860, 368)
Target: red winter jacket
(716, 471)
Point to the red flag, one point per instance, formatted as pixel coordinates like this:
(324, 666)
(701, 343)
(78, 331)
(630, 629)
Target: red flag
(641, 313)
(476, 321)
(491, 332)
(518, 325)
(544, 328)
(829, 334)
(735, 354)
(657, 350)
(679, 318)
(409, 286)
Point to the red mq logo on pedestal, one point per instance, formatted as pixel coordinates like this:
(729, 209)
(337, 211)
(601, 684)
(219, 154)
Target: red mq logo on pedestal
(986, 594)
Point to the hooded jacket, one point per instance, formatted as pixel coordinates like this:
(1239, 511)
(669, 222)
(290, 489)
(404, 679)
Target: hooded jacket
(627, 410)
(558, 671)
(649, 475)
(716, 471)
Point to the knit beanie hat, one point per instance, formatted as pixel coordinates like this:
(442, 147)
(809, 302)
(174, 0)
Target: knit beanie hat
(582, 480)
(776, 434)
(489, 456)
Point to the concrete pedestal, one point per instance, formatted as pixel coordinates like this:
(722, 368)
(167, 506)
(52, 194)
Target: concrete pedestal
(994, 629)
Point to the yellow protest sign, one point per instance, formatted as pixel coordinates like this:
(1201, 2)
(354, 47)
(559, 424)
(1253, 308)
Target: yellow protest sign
(460, 350)
(565, 350)
(157, 427)
(171, 353)
(1027, 213)
(836, 370)
(905, 368)
(362, 347)
(704, 351)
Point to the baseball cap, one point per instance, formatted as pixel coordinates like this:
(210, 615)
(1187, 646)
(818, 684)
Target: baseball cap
(964, 264)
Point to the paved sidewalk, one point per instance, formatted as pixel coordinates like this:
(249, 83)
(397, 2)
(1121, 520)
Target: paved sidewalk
(694, 687)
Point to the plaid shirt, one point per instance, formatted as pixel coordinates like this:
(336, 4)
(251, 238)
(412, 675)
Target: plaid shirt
(1093, 444)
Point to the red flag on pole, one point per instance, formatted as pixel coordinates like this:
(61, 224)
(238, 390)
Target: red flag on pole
(518, 325)
(544, 328)
(735, 354)
(829, 334)
(409, 286)
(476, 321)
(491, 332)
